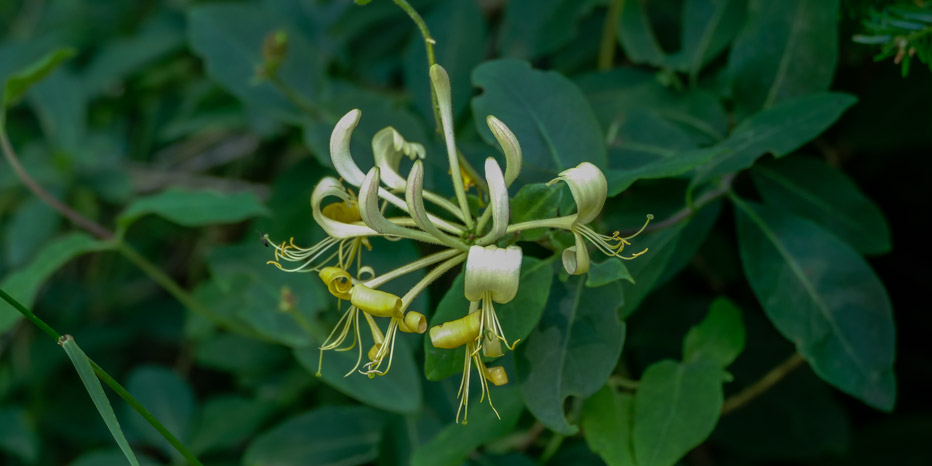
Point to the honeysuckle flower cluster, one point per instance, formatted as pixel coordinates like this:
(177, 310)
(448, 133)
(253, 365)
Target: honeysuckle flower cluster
(353, 208)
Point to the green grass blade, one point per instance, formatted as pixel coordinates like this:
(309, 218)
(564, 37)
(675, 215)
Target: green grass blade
(83, 365)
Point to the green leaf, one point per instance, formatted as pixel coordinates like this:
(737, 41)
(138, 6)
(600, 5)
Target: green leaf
(195, 208)
(229, 38)
(535, 104)
(18, 434)
(636, 35)
(532, 28)
(169, 398)
(459, 30)
(796, 420)
(24, 283)
(676, 407)
(814, 190)
(572, 351)
(518, 317)
(786, 50)
(253, 291)
(110, 457)
(61, 105)
(16, 84)
(647, 269)
(645, 145)
(398, 391)
(719, 338)
(779, 130)
(615, 93)
(708, 28)
(455, 442)
(32, 224)
(535, 201)
(96, 391)
(344, 435)
(608, 271)
(822, 296)
(607, 419)
(226, 421)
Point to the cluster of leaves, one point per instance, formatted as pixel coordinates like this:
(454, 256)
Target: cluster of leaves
(162, 127)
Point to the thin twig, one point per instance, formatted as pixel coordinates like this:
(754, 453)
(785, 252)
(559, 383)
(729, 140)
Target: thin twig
(765, 383)
(429, 45)
(607, 49)
(688, 211)
(91, 226)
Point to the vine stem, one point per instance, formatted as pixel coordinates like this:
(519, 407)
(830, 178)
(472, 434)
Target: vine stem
(429, 43)
(91, 226)
(688, 211)
(756, 389)
(607, 49)
(101, 232)
(109, 381)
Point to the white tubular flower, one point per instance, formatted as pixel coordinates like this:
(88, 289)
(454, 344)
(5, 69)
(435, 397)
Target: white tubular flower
(493, 271)
(510, 146)
(340, 154)
(388, 146)
(372, 216)
(415, 201)
(339, 224)
(589, 189)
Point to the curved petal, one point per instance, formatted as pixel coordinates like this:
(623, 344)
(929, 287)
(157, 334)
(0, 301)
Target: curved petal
(495, 270)
(456, 333)
(589, 189)
(415, 201)
(327, 187)
(498, 201)
(340, 148)
(510, 146)
(387, 147)
(371, 215)
(576, 258)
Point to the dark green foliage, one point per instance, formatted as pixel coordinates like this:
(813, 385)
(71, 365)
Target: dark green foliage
(750, 323)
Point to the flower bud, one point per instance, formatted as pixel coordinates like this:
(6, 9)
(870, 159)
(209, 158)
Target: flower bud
(510, 146)
(496, 375)
(456, 333)
(493, 270)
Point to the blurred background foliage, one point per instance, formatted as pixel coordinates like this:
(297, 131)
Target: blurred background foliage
(160, 130)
